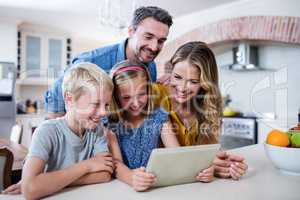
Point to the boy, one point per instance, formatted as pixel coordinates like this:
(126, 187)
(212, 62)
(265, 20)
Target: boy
(72, 150)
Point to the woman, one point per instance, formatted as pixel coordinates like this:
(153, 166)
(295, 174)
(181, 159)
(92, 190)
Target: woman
(193, 99)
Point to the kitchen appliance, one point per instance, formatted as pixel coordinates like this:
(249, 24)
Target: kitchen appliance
(245, 58)
(7, 98)
(238, 132)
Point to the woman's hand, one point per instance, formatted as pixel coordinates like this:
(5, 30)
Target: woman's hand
(229, 166)
(164, 79)
(237, 168)
(207, 175)
(142, 180)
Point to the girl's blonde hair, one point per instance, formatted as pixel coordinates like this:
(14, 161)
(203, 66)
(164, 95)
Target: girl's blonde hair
(82, 77)
(208, 102)
(129, 70)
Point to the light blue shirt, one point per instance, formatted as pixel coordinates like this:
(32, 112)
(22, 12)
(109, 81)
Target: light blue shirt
(55, 143)
(104, 57)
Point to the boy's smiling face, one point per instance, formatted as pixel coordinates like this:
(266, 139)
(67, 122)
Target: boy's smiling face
(91, 106)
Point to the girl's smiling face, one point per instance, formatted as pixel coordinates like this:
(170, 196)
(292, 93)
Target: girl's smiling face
(133, 95)
(185, 82)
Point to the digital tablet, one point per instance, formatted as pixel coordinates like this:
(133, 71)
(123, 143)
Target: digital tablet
(180, 165)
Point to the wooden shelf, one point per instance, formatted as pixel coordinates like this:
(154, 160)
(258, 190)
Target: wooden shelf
(35, 81)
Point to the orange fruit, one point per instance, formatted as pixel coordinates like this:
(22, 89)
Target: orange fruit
(278, 138)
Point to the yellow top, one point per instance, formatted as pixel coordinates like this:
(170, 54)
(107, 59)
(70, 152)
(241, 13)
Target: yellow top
(185, 136)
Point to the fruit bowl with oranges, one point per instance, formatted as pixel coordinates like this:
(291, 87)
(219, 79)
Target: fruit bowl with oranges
(283, 149)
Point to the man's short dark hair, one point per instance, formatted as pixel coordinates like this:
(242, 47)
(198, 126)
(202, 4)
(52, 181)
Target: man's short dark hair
(157, 13)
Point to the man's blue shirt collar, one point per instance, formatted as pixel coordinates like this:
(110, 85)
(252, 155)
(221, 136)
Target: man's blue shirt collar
(121, 55)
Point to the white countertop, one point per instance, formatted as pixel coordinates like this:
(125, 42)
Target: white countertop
(262, 181)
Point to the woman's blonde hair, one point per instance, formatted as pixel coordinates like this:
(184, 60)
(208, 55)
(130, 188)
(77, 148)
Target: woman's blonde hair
(129, 70)
(208, 102)
(82, 77)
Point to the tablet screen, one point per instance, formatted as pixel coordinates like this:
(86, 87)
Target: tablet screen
(180, 165)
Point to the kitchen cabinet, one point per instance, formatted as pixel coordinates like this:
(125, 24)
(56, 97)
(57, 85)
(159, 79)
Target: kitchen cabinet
(42, 55)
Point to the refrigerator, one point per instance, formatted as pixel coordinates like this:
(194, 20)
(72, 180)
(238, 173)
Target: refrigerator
(7, 98)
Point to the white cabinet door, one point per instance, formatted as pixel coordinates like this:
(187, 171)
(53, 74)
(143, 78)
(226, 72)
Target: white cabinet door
(55, 57)
(33, 56)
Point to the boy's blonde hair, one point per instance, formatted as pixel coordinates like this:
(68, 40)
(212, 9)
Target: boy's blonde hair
(82, 77)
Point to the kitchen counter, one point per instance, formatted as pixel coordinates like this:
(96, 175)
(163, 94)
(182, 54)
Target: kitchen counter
(262, 181)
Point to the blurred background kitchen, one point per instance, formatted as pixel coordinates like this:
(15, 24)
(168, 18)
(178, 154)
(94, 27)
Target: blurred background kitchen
(256, 42)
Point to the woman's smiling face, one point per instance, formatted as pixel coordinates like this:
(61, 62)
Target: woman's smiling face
(185, 82)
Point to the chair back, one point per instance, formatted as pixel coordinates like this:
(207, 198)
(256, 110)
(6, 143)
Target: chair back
(6, 162)
(16, 133)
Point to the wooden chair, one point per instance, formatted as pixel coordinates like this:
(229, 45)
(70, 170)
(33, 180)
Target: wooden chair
(6, 162)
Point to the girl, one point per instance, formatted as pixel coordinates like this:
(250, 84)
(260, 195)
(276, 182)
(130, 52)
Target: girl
(138, 125)
(193, 99)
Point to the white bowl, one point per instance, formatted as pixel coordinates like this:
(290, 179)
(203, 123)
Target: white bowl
(286, 159)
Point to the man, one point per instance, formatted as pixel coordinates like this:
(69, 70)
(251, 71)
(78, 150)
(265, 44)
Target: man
(147, 34)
